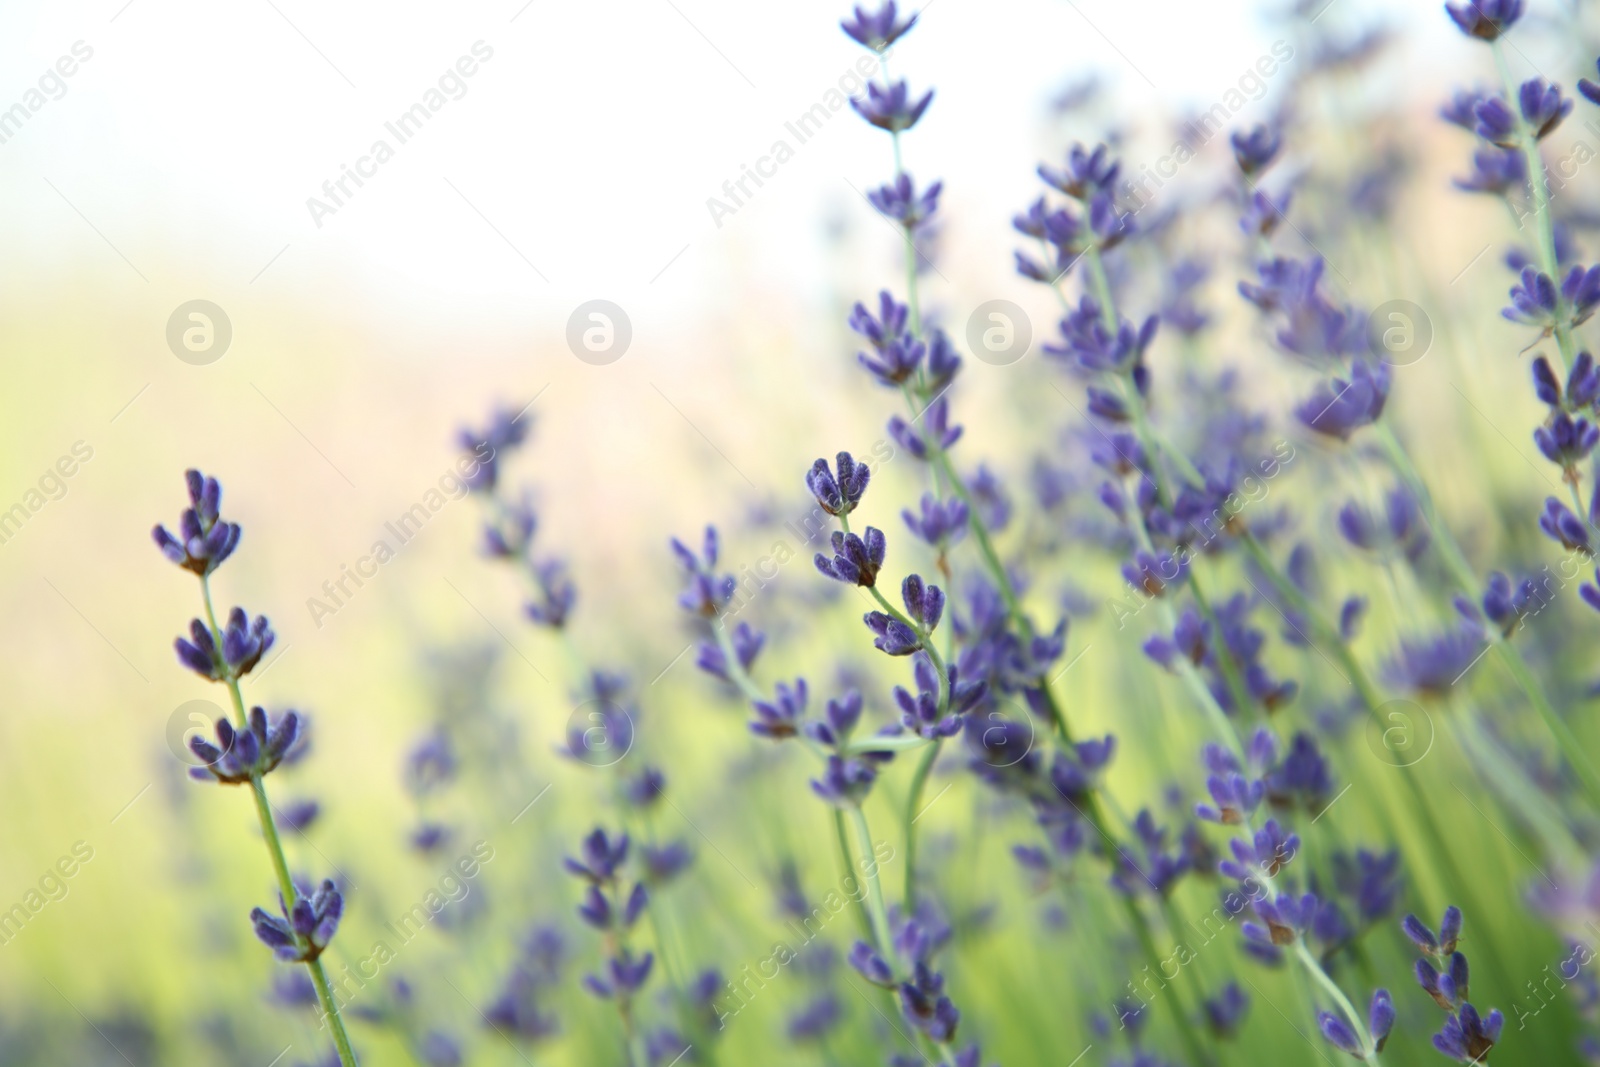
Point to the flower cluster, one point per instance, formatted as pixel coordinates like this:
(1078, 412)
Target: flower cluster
(1443, 974)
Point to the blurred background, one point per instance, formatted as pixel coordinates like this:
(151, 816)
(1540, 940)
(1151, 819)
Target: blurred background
(189, 157)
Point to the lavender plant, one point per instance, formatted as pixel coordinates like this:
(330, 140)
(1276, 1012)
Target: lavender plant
(252, 744)
(1201, 855)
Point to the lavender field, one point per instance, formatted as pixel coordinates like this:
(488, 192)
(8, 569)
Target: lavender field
(1052, 533)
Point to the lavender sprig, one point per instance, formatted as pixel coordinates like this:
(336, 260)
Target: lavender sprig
(250, 747)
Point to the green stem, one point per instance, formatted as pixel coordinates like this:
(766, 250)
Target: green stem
(1509, 655)
(1186, 1030)
(1323, 979)
(849, 872)
(330, 1010)
(1152, 445)
(1543, 219)
(875, 906)
(919, 779)
(269, 831)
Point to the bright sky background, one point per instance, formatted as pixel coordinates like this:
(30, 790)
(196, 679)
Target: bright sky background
(583, 151)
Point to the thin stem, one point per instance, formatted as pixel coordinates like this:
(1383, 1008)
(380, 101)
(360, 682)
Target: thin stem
(1509, 655)
(875, 906)
(849, 872)
(1323, 979)
(330, 1010)
(1543, 219)
(919, 779)
(1152, 445)
(269, 832)
(1180, 1013)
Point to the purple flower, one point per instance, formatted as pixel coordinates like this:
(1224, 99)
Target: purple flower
(1496, 122)
(600, 856)
(780, 717)
(1337, 1032)
(1428, 667)
(1542, 105)
(1562, 526)
(890, 107)
(1380, 1018)
(299, 934)
(1401, 527)
(1270, 850)
(203, 541)
(877, 30)
(1485, 19)
(1089, 348)
(941, 523)
(1589, 89)
(1085, 174)
(1533, 299)
(922, 713)
(900, 201)
(556, 594)
(430, 765)
(1449, 933)
(924, 1004)
(894, 637)
(856, 559)
(1301, 778)
(1566, 441)
(596, 737)
(1581, 291)
(1255, 150)
(845, 781)
(838, 495)
(1262, 214)
(1235, 798)
(1338, 408)
(1582, 388)
(505, 432)
(816, 1020)
(1495, 170)
(838, 722)
(1285, 918)
(935, 436)
(1460, 109)
(870, 965)
(889, 323)
(1506, 605)
(244, 642)
(707, 592)
(747, 644)
(1152, 574)
(1467, 1037)
(1226, 1011)
(625, 976)
(298, 815)
(240, 755)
